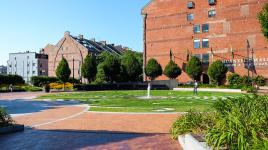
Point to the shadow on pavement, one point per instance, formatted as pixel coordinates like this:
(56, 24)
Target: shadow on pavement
(18, 106)
(80, 139)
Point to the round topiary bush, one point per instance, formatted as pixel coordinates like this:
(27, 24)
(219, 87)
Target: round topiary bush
(172, 70)
(217, 72)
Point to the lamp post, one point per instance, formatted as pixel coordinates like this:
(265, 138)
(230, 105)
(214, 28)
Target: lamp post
(248, 47)
(252, 64)
(73, 71)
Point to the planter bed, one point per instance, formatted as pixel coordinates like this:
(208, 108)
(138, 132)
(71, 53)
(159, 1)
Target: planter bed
(11, 129)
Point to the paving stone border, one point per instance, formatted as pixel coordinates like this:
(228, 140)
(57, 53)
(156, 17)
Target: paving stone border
(11, 129)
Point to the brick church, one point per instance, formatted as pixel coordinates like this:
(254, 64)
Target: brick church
(75, 49)
(209, 29)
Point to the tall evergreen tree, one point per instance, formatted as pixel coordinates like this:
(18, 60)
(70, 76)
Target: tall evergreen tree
(89, 68)
(194, 68)
(111, 67)
(217, 72)
(131, 67)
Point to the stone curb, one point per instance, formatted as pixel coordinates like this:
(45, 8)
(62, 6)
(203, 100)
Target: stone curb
(188, 142)
(11, 129)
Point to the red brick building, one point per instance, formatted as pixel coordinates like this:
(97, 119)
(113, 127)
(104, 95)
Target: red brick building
(209, 29)
(75, 49)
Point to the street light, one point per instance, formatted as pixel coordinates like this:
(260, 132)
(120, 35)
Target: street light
(73, 70)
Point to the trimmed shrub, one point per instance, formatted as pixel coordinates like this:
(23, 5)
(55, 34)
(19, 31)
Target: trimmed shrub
(172, 70)
(153, 69)
(42, 80)
(59, 86)
(234, 79)
(259, 80)
(5, 118)
(217, 72)
(11, 79)
(194, 68)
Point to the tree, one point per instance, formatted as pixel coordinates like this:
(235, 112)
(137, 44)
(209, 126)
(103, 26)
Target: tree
(131, 67)
(263, 19)
(100, 76)
(153, 69)
(217, 72)
(102, 57)
(172, 70)
(194, 68)
(111, 67)
(63, 71)
(89, 68)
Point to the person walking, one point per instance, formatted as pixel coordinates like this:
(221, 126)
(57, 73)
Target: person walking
(195, 87)
(10, 88)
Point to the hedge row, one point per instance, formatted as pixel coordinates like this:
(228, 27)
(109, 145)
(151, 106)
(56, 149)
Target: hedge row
(103, 87)
(235, 79)
(42, 80)
(11, 79)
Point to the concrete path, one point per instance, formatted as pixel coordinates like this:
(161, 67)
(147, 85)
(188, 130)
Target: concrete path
(68, 125)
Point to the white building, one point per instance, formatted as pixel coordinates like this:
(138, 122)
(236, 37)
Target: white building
(28, 64)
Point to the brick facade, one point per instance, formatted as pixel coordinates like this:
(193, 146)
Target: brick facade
(166, 27)
(75, 49)
(69, 49)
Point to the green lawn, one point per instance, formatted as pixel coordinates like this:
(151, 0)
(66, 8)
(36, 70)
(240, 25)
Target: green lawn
(128, 101)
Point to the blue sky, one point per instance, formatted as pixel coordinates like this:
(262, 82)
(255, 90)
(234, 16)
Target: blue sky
(31, 24)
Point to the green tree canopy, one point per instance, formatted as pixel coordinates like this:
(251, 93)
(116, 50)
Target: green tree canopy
(217, 72)
(89, 68)
(100, 76)
(153, 69)
(172, 70)
(102, 57)
(111, 67)
(263, 19)
(131, 66)
(194, 68)
(63, 71)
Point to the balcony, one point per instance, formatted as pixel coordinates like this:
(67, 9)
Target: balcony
(191, 5)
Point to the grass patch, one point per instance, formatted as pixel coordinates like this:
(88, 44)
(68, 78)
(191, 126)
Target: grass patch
(128, 101)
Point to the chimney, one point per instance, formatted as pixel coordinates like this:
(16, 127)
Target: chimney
(67, 33)
(94, 40)
(81, 36)
(103, 42)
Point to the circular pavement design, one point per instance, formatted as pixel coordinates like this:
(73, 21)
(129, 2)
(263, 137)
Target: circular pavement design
(68, 125)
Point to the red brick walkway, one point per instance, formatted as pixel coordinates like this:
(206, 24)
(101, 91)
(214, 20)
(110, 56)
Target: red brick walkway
(71, 127)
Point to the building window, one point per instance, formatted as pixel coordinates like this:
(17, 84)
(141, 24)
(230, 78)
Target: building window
(33, 64)
(41, 65)
(33, 72)
(205, 28)
(190, 5)
(28, 57)
(211, 2)
(198, 56)
(190, 17)
(196, 43)
(211, 13)
(197, 29)
(205, 43)
(205, 59)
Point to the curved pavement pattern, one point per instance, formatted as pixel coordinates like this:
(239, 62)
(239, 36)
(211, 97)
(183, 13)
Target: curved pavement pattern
(68, 125)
